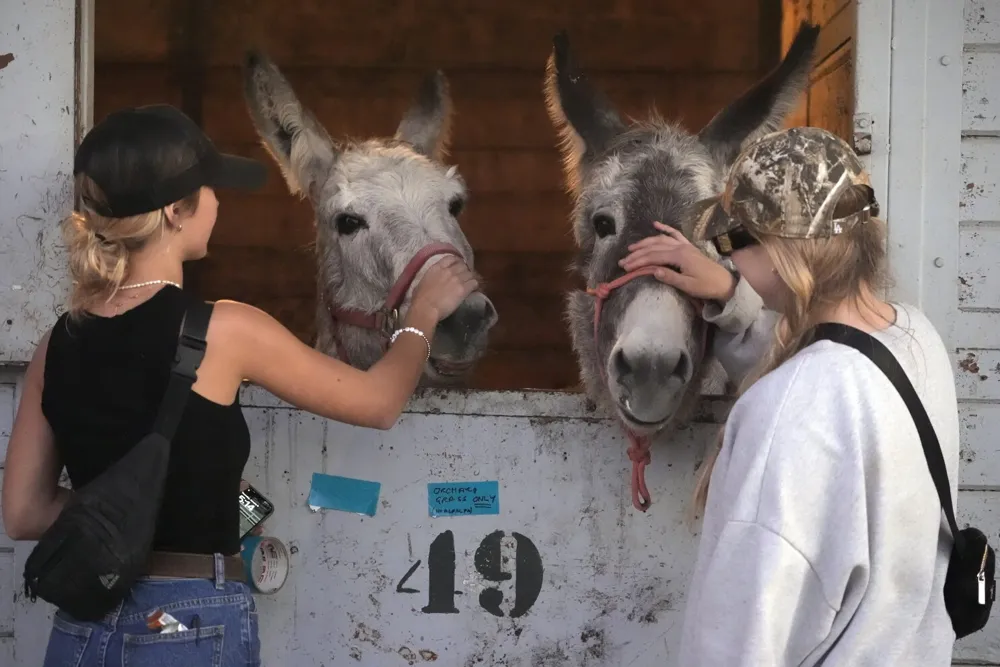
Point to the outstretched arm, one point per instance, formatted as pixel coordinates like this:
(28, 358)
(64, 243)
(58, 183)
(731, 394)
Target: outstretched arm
(250, 344)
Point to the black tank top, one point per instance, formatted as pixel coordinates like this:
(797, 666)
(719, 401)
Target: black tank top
(104, 379)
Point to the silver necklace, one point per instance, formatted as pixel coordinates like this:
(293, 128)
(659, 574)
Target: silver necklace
(150, 282)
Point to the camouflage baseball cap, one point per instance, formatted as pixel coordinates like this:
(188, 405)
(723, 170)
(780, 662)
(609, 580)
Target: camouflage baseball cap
(787, 184)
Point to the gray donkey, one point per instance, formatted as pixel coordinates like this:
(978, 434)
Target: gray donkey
(651, 346)
(383, 209)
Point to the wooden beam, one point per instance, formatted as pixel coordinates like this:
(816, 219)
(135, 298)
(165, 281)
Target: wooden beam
(769, 35)
(686, 38)
(189, 29)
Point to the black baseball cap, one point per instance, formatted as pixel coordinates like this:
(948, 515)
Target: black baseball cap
(145, 158)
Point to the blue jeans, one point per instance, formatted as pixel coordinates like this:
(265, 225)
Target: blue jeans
(221, 617)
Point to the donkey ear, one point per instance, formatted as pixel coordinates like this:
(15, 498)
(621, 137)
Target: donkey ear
(584, 118)
(299, 144)
(426, 125)
(763, 108)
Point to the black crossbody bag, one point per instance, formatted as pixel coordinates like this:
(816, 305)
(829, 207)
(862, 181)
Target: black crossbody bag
(969, 586)
(92, 554)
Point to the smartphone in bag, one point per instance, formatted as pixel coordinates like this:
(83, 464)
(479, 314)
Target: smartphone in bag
(254, 510)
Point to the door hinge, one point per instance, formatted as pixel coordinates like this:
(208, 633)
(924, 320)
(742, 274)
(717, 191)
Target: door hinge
(862, 143)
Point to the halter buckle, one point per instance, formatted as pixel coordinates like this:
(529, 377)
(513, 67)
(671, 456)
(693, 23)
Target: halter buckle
(386, 320)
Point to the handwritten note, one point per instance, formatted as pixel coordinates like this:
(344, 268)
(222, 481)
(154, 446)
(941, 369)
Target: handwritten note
(463, 498)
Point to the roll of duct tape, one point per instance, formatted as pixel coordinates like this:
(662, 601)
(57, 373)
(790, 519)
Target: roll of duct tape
(266, 563)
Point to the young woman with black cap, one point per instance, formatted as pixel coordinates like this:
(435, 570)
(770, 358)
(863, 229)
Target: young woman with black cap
(146, 177)
(823, 538)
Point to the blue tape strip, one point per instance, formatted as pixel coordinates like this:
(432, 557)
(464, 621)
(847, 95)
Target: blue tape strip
(344, 493)
(463, 498)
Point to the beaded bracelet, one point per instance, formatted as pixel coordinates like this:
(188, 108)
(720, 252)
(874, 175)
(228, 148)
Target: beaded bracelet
(411, 330)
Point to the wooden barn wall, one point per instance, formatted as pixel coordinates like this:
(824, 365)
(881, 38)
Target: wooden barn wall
(357, 63)
(829, 102)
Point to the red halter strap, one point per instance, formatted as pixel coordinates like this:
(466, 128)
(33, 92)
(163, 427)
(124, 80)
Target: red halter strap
(384, 319)
(638, 451)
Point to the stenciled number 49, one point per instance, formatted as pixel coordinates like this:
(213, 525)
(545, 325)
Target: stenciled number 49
(441, 579)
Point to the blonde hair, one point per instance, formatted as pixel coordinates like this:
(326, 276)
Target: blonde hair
(820, 273)
(100, 247)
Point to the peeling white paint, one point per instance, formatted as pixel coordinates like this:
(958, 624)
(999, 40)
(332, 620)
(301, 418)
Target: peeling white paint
(977, 374)
(981, 92)
(982, 22)
(980, 446)
(979, 196)
(978, 266)
(36, 165)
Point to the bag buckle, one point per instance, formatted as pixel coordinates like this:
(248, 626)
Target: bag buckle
(190, 352)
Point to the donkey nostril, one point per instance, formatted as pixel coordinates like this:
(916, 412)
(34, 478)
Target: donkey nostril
(683, 366)
(622, 366)
(490, 313)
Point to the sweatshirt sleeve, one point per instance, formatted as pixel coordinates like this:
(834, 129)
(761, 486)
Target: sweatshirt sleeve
(785, 542)
(760, 603)
(745, 330)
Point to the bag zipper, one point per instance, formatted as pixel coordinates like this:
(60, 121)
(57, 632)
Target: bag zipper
(982, 576)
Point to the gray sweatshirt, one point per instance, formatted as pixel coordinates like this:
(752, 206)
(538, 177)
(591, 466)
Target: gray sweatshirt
(823, 541)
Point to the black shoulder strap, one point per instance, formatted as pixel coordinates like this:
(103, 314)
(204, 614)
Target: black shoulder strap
(191, 344)
(872, 348)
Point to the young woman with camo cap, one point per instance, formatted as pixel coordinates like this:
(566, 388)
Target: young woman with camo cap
(823, 537)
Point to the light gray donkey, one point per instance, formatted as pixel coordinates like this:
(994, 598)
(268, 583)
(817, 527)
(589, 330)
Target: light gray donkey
(378, 204)
(651, 345)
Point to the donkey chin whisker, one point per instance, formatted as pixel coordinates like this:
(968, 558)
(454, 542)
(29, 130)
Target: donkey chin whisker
(449, 369)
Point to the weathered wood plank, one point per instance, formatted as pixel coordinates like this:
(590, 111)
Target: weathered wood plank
(977, 328)
(824, 10)
(793, 12)
(500, 370)
(242, 272)
(5, 542)
(9, 581)
(982, 22)
(980, 424)
(263, 221)
(492, 222)
(977, 374)
(7, 411)
(527, 274)
(981, 93)
(831, 96)
(301, 32)
(980, 509)
(978, 269)
(837, 29)
(529, 323)
(493, 108)
(980, 194)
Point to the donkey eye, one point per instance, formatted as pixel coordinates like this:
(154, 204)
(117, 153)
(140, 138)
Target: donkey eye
(455, 206)
(604, 224)
(347, 224)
